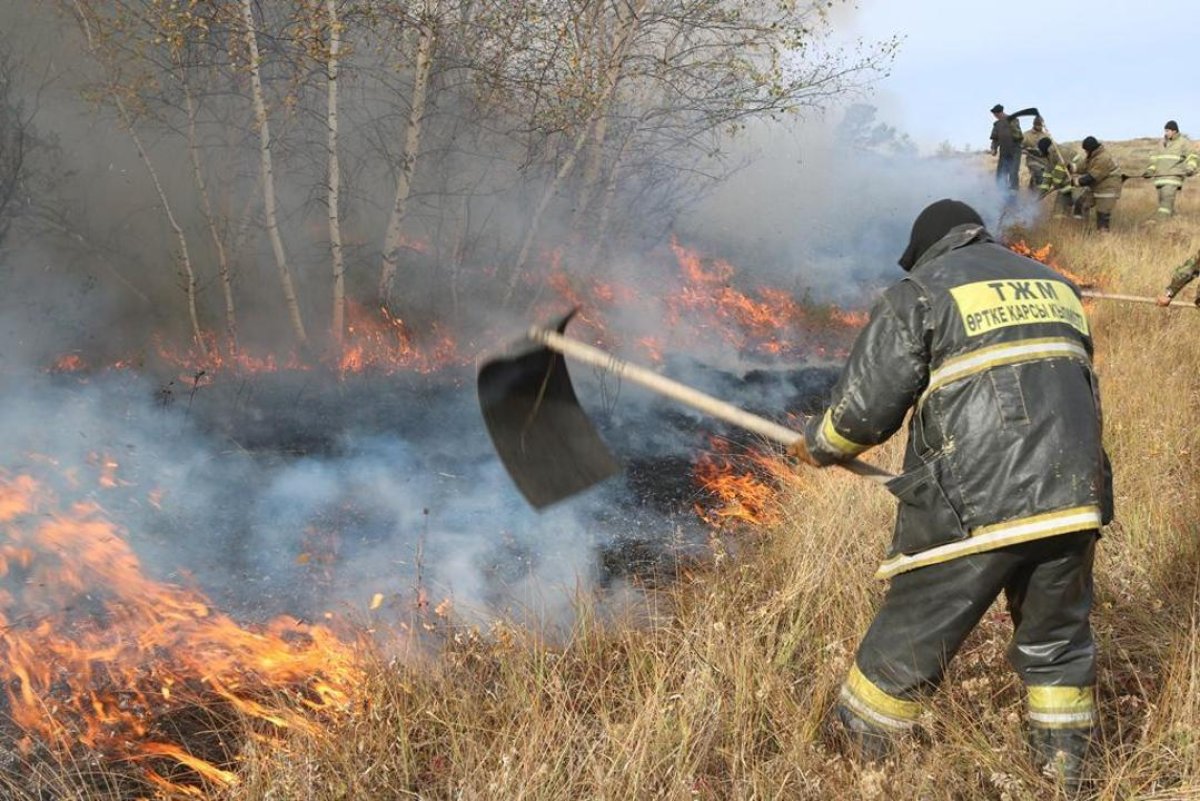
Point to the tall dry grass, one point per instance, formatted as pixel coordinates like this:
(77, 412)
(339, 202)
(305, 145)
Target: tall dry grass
(718, 687)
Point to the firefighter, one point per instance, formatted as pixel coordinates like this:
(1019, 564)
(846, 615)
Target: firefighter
(1170, 166)
(1062, 161)
(1035, 159)
(1006, 147)
(1004, 489)
(1183, 275)
(1101, 178)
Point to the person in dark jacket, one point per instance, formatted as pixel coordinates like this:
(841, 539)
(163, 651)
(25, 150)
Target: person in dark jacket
(1006, 147)
(1061, 163)
(1005, 482)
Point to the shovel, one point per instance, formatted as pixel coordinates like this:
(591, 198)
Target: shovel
(545, 439)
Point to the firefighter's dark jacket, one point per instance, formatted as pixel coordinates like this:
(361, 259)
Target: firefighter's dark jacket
(992, 353)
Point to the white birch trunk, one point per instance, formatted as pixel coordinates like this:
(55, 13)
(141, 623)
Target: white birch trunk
(600, 234)
(223, 271)
(412, 143)
(593, 166)
(338, 324)
(185, 260)
(268, 176)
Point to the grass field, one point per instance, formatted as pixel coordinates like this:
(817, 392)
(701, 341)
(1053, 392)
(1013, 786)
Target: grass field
(716, 687)
(719, 689)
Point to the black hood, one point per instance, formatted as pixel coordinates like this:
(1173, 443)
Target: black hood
(934, 223)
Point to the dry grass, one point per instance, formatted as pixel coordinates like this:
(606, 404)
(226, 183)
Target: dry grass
(719, 690)
(716, 687)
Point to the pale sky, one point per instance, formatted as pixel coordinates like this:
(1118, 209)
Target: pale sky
(1113, 70)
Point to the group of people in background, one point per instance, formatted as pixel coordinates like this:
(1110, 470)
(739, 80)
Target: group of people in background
(1088, 181)
(1091, 180)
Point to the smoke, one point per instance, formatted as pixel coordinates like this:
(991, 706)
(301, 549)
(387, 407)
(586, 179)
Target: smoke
(422, 510)
(829, 218)
(304, 492)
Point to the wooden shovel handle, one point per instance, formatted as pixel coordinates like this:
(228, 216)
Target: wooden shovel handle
(1091, 293)
(688, 396)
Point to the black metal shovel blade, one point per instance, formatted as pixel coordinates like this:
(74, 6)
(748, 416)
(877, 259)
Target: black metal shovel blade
(543, 436)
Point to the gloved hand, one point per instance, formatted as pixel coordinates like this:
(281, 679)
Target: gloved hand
(1147, 173)
(798, 450)
(1164, 299)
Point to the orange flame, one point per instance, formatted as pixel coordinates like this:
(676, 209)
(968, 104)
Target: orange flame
(69, 363)
(748, 492)
(93, 651)
(384, 343)
(771, 322)
(1042, 255)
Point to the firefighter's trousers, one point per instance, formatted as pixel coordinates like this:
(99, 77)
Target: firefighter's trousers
(928, 613)
(1166, 199)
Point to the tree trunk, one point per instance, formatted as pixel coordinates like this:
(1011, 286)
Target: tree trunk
(185, 260)
(335, 177)
(612, 78)
(223, 271)
(412, 143)
(600, 234)
(593, 166)
(268, 176)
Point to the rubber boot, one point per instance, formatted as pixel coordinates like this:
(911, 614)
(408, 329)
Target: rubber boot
(863, 741)
(1102, 221)
(1061, 753)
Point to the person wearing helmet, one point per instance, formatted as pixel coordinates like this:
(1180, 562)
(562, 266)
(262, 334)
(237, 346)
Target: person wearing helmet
(1005, 482)
(1062, 162)
(1101, 178)
(1035, 159)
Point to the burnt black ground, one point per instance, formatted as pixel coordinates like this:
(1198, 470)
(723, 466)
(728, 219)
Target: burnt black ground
(302, 492)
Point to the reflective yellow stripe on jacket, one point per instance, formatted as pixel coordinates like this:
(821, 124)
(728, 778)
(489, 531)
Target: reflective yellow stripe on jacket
(998, 535)
(833, 441)
(1025, 350)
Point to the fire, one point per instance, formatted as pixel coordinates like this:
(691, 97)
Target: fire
(771, 321)
(699, 302)
(69, 363)
(95, 652)
(1042, 255)
(375, 340)
(220, 357)
(748, 491)
(384, 343)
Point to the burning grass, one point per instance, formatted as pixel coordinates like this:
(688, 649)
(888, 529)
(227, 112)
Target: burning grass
(99, 658)
(715, 687)
(702, 301)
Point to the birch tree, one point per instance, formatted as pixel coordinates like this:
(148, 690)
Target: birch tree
(113, 91)
(426, 31)
(334, 175)
(267, 173)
